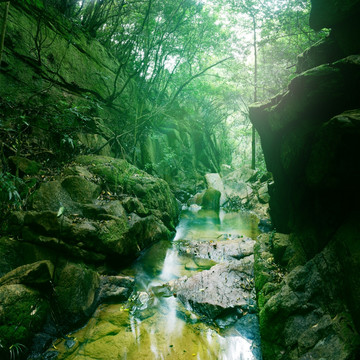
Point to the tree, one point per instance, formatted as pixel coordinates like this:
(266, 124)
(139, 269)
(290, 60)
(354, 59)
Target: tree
(3, 29)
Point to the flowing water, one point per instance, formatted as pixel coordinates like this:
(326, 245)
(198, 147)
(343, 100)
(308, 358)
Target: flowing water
(155, 324)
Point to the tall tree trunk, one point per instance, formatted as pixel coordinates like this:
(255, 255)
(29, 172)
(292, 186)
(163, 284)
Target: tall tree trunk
(253, 132)
(3, 29)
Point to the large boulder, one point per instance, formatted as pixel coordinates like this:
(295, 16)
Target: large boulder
(214, 292)
(214, 181)
(211, 199)
(101, 208)
(35, 274)
(75, 294)
(288, 126)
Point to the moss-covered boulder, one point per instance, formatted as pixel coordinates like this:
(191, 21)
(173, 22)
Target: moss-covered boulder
(99, 209)
(75, 294)
(211, 199)
(35, 274)
(122, 177)
(26, 166)
(23, 312)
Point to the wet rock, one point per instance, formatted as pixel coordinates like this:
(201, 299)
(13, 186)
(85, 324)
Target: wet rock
(146, 231)
(219, 251)
(34, 274)
(143, 305)
(211, 200)
(114, 289)
(214, 181)
(196, 199)
(213, 292)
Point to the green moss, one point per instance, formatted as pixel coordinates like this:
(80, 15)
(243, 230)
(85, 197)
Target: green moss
(112, 235)
(22, 314)
(28, 167)
(114, 172)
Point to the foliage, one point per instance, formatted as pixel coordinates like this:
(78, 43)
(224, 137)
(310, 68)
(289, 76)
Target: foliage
(9, 194)
(15, 350)
(171, 64)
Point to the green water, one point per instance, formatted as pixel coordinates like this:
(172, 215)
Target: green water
(155, 325)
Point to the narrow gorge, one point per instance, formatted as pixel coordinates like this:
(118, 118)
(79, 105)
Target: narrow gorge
(155, 203)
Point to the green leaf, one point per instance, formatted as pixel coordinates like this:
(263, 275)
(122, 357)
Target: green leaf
(61, 211)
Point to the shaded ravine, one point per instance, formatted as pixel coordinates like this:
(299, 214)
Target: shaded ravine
(155, 324)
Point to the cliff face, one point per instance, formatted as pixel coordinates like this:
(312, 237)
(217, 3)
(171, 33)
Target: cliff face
(310, 136)
(60, 82)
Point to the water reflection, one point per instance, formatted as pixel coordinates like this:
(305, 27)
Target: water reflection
(155, 325)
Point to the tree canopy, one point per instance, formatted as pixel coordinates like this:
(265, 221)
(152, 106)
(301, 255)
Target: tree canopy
(211, 58)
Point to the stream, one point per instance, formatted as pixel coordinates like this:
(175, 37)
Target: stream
(155, 324)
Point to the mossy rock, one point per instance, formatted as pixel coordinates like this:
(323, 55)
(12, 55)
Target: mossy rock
(26, 166)
(38, 273)
(75, 290)
(51, 196)
(22, 313)
(80, 189)
(211, 199)
(122, 177)
(113, 239)
(113, 172)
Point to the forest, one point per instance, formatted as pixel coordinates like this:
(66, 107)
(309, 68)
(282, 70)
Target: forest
(187, 157)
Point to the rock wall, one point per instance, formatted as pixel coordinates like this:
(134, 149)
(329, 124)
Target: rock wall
(310, 135)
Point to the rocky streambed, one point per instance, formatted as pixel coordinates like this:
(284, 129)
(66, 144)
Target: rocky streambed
(194, 298)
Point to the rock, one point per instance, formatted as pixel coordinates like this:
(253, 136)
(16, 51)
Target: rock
(281, 248)
(26, 166)
(196, 199)
(94, 224)
(225, 169)
(80, 189)
(211, 200)
(265, 225)
(23, 312)
(75, 290)
(94, 142)
(214, 181)
(114, 289)
(119, 175)
(331, 13)
(133, 204)
(263, 194)
(147, 231)
(35, 274)
(212, 292)
(51, 196)
(219, 251)
(235, 186)
(288, 155)
(297, 306)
